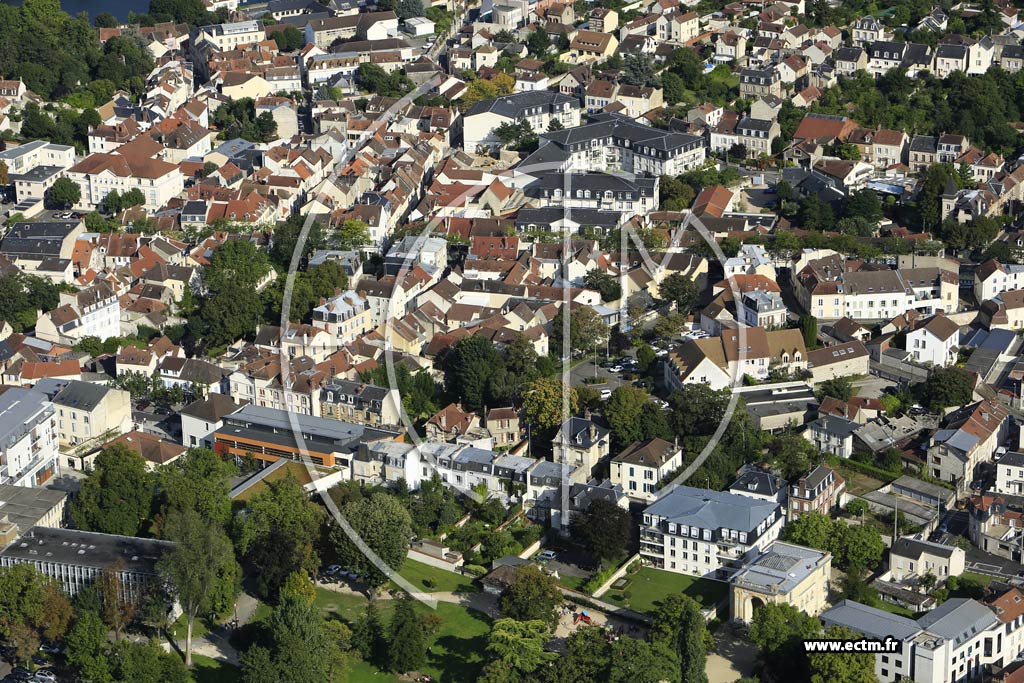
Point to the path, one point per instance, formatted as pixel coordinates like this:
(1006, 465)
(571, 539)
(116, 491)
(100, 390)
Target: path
(731, 659)
(215, 644)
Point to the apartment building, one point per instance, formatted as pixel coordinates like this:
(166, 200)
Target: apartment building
(91, 312)
(1010, 474)
(345, 317)
(87, 412)
(359, 403)
(612, 142)
(706, 533)
(538, 108)
(627, 196)
(98, 174)
(34, 166)
(934, 341)
(28, 438)
(968, 436)
(224, 37)
(717, 361)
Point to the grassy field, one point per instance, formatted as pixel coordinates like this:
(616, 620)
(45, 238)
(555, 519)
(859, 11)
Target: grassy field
(206, 670)
(895, 609)
(647, 587)
(441, 581)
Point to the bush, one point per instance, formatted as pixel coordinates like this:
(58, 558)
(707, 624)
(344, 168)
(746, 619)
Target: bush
(474, 570)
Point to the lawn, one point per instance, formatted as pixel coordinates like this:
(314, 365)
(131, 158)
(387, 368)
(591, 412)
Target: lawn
(895, 609)
(199, 628)
(207, 670)
(441, 581)
(647, 587)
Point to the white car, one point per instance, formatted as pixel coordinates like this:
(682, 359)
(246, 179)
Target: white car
(546, 555)
(606, 394)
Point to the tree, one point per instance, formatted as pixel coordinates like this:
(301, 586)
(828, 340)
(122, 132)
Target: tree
(5, 178)
(118, 610)
(408, 9)
(633, 417)
(842, 667)
(64, 193)
(792, 454)
(927, 581)
(811, 529)
(353, 234)
(533, 595)
(383, 523)
(809, 328)
(947, 388)
(86, 644)
(544, 400)
(645, 357)
(368, 638)
(587, 330)
(198, 481)
(605, 283)
(200, 567)
(105, 20)
(638, 69)
(518, 646)
(538, 44)
(407, 647)
(288, 38)
(679, 626)
(779, 630)
(277, 535)
(296, 648)
(31, 608)
(859, 545)
(117, 496)
(864, 204)
(679, 288)
(469, 368)
(637, 661)
(838, 387)
(604, 529)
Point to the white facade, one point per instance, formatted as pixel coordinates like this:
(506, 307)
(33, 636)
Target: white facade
(28, 438)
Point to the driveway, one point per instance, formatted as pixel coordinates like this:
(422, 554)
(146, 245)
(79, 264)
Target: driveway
(732, 658)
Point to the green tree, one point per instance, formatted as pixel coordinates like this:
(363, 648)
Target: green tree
(864, 204)
(633, 417)
(604, 529)
(846, 667)
(117, 496)
(792, 454)
(645, 357)
(779, 630)
(586, 330)
(637, 661)
(353, 234)
(296, 648)
(533, 595)
(200, 480)
(64, 193)
(278, 533)
(838, 387)
(518, 646)
(809, 329)
(86, 646)
(544, 400)
(368, 636)
(946, 388)
(200, 569)
(679, 626)
(383, 523)
(605, 283)
(538, 44)
(407, 647)
(679, 288)
(858, 545)
(811, 529)
(469, 368)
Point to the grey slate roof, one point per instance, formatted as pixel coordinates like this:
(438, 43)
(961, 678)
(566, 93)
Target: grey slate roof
(708, 509)
(958, 619)
(913, 548)
(517, 105)
(870, 621)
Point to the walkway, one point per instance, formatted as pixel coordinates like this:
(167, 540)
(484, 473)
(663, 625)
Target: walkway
(215, 644)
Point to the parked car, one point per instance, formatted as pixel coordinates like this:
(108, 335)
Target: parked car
(546, 555)
(45, 676)
(606, 394)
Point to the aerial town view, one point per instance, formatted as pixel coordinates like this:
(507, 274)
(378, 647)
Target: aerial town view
(512, 341)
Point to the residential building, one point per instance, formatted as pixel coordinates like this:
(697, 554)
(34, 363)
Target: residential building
(363, 404)
(718, 361)
(538, 108)
(911, 558)
(706, 533)
(345, 317)
(91, 312)
(1010, 474)
(201, 419)
(642, 466)
(820, 490)
(756, 83)
(28, 438)
(968, 436)
(832, 434)
(581, 444)
(98, 174)
(87, 413)
(34, 166)
(934, 341)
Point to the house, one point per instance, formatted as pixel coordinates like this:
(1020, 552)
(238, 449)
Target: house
(154, 450)
(359, 403)
(504, 426)
(581, 444)
(757, 135)
(706, 533)
(91, 312)
(868, 30)
(590, 46)
(911, 558)
(820, 490)
(832, 434)
(756, 83)
(968, 437)
(87, 413)
(642, 466)
(850, 60)
(934, 341)
(839, 360)
(717, 361)
(538, 108)
(202, 418)
(922, 152)
(783, 574)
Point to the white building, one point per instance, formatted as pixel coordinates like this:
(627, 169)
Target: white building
(230, 36)
(98, 174)
(538, 109)
(28, 438)
(707, 533)
(935, 341)
(92, 312)
(33, 167)
(642, 466)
